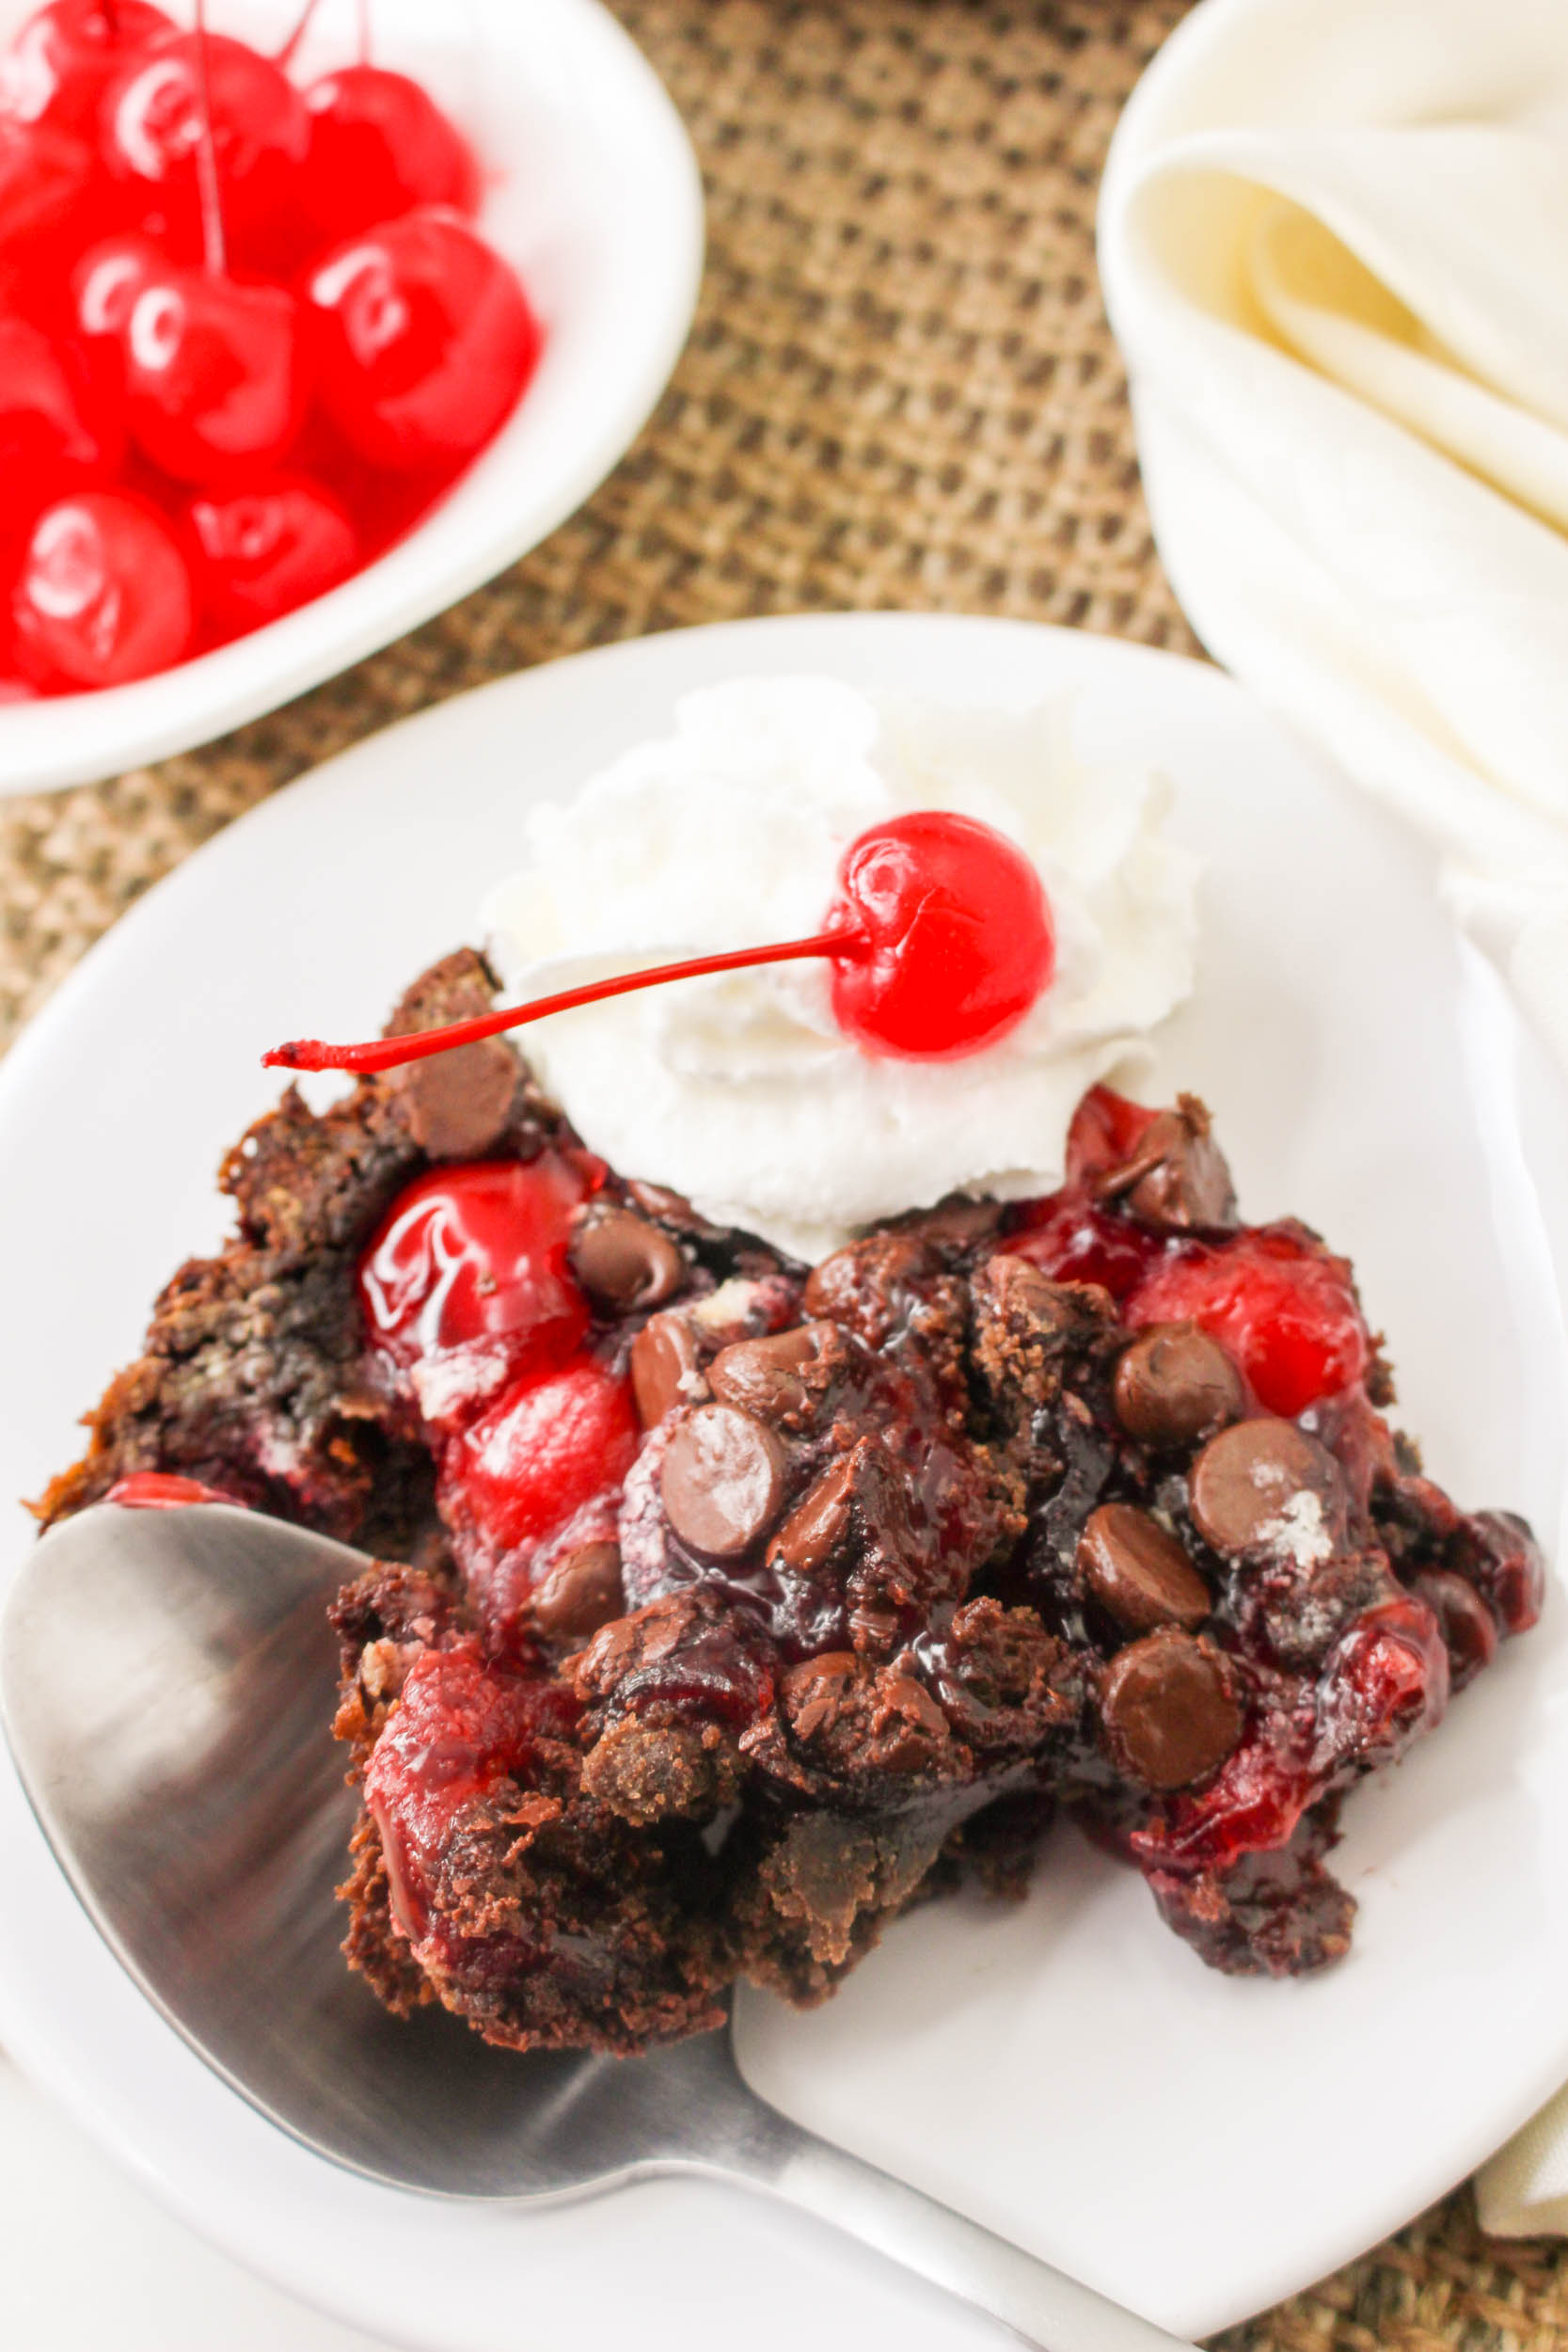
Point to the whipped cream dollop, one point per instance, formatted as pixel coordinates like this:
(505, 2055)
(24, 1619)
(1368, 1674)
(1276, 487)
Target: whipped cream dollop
(739, 1089)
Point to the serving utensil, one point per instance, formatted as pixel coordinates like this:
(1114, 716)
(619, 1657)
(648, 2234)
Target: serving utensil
(168, 1682)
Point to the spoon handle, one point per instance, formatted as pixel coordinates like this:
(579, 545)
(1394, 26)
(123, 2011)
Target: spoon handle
(1042, 2305)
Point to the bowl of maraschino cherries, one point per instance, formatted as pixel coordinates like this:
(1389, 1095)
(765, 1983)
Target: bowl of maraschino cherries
(311, 319)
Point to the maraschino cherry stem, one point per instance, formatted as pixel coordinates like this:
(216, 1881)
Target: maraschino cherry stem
(364, 32)
(286, 54)
(213, 243)
(389, 1053)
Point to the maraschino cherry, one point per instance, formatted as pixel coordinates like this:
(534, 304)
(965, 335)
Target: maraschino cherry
(265, 549)
(940, 937)
(64, 58)
(156, 118)
(959, 941)
(424, 340)
(104, 596)
(216, 381)
(380, 146)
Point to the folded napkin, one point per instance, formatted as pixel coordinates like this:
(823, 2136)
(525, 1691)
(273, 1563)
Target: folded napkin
(1334, 243)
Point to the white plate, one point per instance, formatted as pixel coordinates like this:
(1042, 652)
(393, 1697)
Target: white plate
(595, 196)
(1068, 2071)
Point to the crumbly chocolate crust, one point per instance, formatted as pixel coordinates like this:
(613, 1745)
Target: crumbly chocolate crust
(920, 1546)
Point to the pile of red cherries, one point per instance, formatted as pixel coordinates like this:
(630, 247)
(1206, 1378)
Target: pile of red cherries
(248, 335)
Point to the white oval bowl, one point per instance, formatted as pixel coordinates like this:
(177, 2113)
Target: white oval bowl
(596, 198)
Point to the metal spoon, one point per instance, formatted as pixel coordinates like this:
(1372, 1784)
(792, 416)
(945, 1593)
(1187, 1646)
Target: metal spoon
(168, 1681)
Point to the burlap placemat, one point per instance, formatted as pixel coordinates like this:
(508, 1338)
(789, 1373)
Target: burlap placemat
(900, 392)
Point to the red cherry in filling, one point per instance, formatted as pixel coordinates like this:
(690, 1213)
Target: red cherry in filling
(958, 941)
(264, 550)
(64, 58)
(160, 1490)
(458, 1726)
(379, 146)
(478, 1253)
(545, 1448)
(1286, 1312)
(1073, 1240)
(57, 429)
(426, 341)
(103, 595)
(1387, 1682)
(153, 129)
(215, 375)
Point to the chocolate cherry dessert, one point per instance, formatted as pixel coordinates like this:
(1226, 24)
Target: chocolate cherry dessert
(723, 1606)
(249, 334)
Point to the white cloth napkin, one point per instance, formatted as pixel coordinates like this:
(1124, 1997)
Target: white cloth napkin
(1334, 241)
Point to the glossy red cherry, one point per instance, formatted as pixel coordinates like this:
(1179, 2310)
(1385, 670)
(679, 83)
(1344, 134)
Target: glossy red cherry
(426, 341)
(216, 381)
(264, 550)
(57, 429)
(477, 1253)
(1286, 1312)
(64, 58)
(153, 130)
(543, 1450)
(380, 146)
(960, 943)
(103, 595)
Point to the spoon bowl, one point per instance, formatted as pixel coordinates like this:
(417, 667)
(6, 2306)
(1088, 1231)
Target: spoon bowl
(168, 1681)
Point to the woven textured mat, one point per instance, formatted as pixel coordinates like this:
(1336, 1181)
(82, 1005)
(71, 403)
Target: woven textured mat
(900, 392)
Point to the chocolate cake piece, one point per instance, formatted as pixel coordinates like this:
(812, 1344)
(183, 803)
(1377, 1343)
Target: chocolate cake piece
(727, 1607)
(253, 1377)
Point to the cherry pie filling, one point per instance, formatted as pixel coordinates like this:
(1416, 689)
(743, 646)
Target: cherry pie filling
(1085, 1501)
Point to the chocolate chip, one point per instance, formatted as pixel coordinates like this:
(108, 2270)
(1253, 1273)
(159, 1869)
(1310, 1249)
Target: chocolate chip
(1168, 1710)
(1191, 1182)
(762, 1376)
(457, 1106)
(1176, 1175)
(581, 1593)
(1138, 1572)
(814, 1691)
(910, 1729)
(1175, 1384)
(721, 1480)
(912, 1699)
(819, 1521)
(623, 1262)
(1265, 1490)
(665, 1370)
